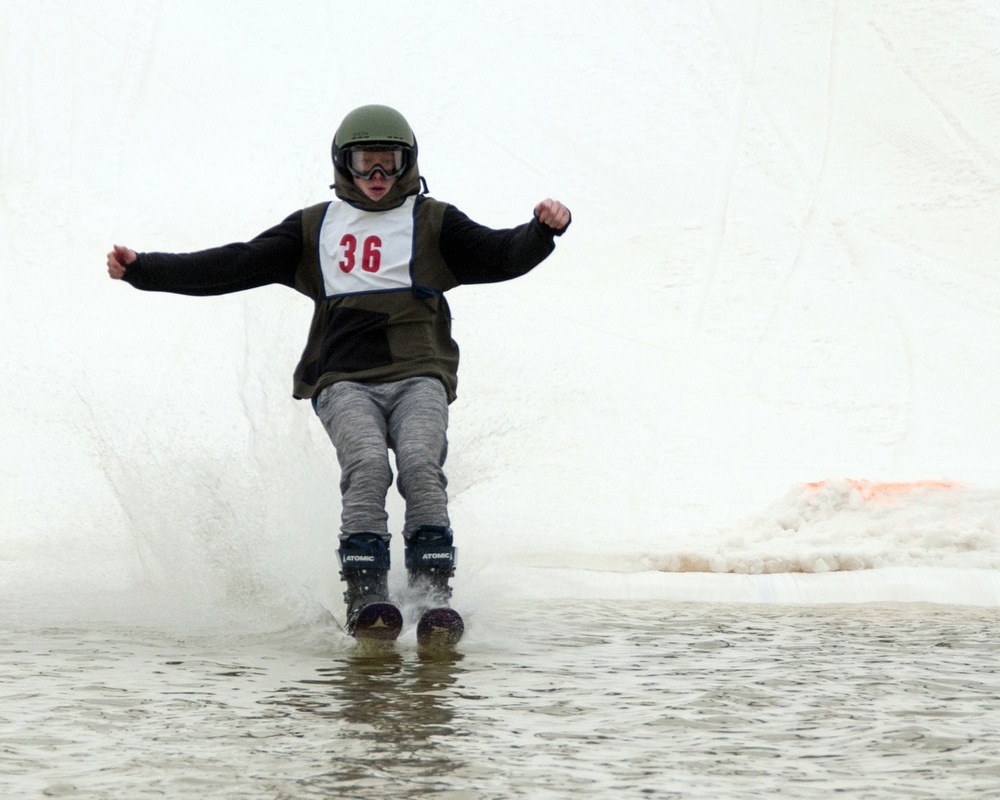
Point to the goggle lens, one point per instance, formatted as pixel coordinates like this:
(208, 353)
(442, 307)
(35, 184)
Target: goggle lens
(364, 163)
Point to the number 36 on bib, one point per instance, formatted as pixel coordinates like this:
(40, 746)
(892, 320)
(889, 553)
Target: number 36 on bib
(365, 252)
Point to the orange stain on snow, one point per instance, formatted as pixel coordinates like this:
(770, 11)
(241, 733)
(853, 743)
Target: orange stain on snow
(889, 491)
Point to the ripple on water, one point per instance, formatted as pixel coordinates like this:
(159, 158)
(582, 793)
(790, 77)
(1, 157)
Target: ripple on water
(589, 699)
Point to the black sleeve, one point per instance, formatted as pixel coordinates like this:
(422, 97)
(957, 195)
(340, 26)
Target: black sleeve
(477, 254)
(271, 257)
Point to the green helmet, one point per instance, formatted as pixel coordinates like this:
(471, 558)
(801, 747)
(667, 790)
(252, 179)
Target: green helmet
(374, 127)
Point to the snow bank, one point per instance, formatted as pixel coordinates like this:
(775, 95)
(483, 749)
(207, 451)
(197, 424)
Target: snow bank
(782, 267)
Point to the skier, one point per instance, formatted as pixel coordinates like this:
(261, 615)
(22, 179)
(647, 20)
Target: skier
(379, 364)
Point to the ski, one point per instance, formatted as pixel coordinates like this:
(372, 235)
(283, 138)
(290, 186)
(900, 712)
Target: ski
(380, 621)
(440, 628)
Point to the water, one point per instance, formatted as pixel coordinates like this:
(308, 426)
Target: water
(575, 699)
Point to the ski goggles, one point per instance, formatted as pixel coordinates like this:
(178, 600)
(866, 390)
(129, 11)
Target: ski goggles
(364, 161)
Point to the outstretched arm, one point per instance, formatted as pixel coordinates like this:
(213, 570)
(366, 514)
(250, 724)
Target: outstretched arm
(271, 257)
(477, 254)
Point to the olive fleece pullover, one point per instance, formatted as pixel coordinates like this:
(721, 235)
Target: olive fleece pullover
(377, 278)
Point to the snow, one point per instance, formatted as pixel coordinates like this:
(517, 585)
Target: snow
(779, 291)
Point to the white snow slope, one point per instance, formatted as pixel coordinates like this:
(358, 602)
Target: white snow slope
(767, 346)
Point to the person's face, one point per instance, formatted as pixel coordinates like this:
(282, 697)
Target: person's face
(377, 164)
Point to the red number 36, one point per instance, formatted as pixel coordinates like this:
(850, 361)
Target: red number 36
(371, 256)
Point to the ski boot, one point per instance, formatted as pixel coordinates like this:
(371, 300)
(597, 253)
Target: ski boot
(430, 562)
(364, 562)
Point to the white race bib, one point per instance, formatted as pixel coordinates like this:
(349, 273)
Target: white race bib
(366, 251)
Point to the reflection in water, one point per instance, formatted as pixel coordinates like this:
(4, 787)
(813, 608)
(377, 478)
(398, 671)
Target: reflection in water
(392, 713)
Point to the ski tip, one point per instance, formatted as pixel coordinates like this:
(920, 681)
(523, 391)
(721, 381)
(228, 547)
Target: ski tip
(440, 627)
(380, 622)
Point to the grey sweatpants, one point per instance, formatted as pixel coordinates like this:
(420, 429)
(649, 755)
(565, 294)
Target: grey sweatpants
(366, 420)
